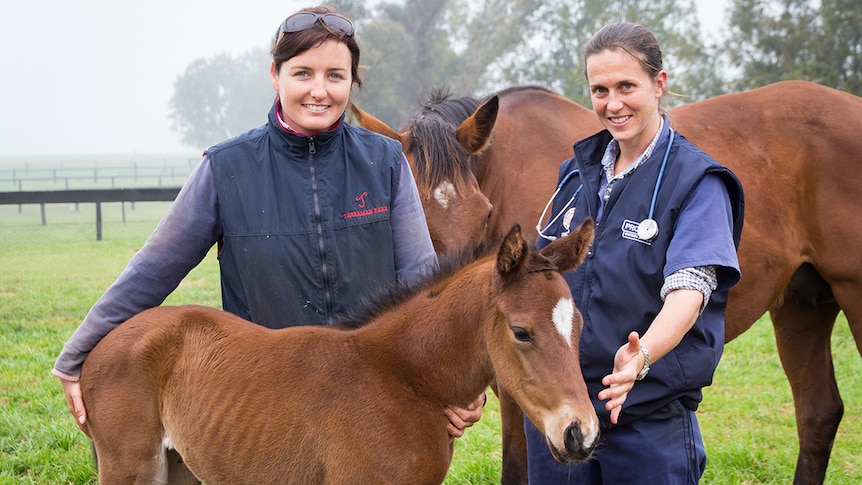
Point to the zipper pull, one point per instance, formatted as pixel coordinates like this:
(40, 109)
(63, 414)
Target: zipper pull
(311, 148)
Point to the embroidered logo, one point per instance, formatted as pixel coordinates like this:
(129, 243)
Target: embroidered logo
(361, 199)
(567, 219)
(363, 210)
(630, 231)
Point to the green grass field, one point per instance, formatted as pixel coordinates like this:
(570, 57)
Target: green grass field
(50, 275)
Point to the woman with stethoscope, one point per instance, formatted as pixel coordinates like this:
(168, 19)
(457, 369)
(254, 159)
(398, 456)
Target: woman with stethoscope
(653, 289)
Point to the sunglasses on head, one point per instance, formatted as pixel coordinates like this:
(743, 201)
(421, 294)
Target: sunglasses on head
(304, 20)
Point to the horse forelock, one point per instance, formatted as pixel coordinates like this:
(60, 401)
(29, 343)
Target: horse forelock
(538, 263)
(542, 265)
(395, 293)
(438, 157)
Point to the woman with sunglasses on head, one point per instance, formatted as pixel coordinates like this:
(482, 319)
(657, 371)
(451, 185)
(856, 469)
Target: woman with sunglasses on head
(310, 214)
(653, 289)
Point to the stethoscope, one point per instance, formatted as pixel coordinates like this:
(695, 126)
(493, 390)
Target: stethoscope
(648, 228)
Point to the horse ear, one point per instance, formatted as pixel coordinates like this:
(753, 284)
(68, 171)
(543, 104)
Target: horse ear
(568, 252)
(373, 124)
(513, 252)
(474, 133)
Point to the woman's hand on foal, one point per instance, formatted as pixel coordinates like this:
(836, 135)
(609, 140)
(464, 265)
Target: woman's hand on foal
(462, 418)
(75, 403)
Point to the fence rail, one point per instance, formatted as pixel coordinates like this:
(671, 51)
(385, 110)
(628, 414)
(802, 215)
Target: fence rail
(97, 196)
(99, 174)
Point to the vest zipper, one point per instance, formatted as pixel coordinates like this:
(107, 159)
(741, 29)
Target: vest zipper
(321, 242)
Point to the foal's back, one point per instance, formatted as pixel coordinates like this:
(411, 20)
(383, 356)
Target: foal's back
(227, 394)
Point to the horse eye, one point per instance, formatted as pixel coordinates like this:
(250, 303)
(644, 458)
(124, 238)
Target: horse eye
(521, 335)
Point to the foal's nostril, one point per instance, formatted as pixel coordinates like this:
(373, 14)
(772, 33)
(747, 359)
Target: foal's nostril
(573, 438)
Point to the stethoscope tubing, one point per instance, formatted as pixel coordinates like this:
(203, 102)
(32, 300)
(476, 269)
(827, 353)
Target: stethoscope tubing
(660, 175)
(574, 172)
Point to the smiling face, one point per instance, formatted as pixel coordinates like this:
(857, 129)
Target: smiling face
(314, 87)
(625, 98)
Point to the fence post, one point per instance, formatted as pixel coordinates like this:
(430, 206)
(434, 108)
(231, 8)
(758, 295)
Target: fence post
(98, 221)
(44, 219)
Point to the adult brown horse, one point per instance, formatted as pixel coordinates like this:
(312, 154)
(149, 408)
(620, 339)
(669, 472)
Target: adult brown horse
(441, 140)
(795, 146)
(240, 403)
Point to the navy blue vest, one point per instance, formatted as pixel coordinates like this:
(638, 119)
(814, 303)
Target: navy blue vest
(306, 223)
(617, 287)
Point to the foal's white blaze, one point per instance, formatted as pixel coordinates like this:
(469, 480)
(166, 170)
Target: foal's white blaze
(564, 317)
(444, 193)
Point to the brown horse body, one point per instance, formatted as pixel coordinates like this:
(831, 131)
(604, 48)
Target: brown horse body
(795, 146)
(244, 404)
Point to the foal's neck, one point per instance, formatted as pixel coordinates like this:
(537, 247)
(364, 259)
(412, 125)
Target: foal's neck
(435, 342)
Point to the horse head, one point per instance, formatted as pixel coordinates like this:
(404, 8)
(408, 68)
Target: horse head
(534, 345)
(440, 141)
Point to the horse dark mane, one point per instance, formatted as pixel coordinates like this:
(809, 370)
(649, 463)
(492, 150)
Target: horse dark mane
(396, 292)
(437, 154)
(439, 158)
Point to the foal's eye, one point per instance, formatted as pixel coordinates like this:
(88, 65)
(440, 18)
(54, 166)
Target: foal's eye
(521, 335)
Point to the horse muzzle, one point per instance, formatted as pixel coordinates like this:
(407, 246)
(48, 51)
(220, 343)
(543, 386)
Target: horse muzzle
(578, 443)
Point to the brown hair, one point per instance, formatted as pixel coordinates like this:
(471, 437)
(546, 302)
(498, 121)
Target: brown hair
(292, 44)
(635, 39)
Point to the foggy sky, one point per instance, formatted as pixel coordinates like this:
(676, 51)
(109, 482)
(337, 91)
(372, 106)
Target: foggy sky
(94, 77)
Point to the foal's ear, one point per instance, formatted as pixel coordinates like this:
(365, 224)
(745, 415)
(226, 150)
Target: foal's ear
(373, 124)
(474, 133)
(568, 252)
(513, 252)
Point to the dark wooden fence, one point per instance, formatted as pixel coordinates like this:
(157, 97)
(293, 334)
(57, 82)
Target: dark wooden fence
(96, 196)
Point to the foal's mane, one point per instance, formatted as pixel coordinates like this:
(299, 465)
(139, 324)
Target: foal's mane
(437, 154)
(395, 293)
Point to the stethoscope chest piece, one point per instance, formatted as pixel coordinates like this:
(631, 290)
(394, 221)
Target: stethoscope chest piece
(647, 230)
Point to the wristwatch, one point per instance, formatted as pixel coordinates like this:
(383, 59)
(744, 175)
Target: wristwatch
(643, 373)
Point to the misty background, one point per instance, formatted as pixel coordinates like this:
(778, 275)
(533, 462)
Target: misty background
(95, 77)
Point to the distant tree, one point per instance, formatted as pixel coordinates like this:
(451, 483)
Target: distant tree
(221, 97)
(553, 57)
(775, 40)
(405, 51)
(388, 92)
(411, 48)
(484, 32)
(415, 47)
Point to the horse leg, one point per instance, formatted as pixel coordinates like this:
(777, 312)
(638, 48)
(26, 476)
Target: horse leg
(132, 462)
(856, 329)
(514, 440)
(128, 441)
(803, 328)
